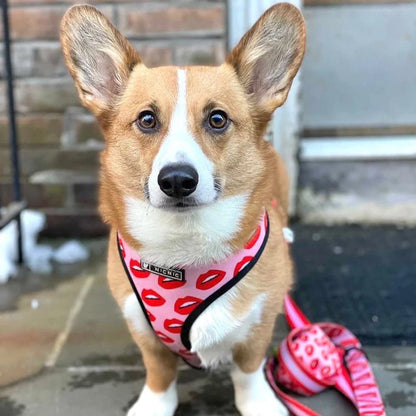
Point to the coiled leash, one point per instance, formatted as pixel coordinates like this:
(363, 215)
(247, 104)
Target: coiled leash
(314, 357)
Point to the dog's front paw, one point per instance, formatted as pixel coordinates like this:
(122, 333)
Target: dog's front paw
(261, 406)
(254, 396)
(155, 404)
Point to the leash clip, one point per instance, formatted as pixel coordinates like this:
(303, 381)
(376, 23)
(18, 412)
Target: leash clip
(350, 348)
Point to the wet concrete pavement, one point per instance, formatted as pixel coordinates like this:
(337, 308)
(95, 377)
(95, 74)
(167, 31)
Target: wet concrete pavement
(73, 354)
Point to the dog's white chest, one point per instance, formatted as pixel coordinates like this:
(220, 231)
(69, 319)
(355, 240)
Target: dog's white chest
(216, 331)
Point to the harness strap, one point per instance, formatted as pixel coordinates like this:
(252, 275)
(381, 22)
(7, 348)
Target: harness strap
(318, 356)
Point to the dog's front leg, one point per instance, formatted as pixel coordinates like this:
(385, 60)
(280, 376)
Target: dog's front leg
(158, 396)
(253, 394)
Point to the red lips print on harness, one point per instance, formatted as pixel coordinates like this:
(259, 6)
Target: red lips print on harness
(172, 299)
(318, 356)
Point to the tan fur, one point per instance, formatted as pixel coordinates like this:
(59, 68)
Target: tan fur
(244, 162)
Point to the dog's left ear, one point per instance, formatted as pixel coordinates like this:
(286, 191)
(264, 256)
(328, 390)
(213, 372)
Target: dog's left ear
(269, 55)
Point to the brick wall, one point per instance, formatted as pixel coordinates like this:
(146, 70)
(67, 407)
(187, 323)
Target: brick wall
(164, 32)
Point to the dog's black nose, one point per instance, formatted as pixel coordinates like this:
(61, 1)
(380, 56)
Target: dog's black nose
(178, 181)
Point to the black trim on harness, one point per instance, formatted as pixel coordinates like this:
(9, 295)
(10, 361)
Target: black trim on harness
(186, 327)
(132, 283)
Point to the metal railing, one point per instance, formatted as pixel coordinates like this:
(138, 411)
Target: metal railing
(13, 210)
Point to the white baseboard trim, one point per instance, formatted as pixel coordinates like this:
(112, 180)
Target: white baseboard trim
(357, 148)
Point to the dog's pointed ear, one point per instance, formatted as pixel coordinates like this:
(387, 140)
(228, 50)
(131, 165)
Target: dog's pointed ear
(98, 57)
(268, 56)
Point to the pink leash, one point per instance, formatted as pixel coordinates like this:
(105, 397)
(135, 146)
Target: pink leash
(314, 357)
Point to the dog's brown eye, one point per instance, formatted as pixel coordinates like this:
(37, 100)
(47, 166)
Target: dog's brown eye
(146, 121)
(218, 120)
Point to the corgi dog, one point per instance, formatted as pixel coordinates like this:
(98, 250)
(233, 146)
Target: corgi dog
(195, 197)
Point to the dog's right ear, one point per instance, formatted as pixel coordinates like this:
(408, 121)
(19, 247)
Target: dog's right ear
(98, 57)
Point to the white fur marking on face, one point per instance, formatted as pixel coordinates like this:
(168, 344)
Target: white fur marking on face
(254, 396)
(156, 404)
(180, 147)
(216, 331)
(134, 313)
(199, 236)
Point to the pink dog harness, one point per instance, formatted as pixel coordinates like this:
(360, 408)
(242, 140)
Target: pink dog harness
(318, 356)
(172, 299)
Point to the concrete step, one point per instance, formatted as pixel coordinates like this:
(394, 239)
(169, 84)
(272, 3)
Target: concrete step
(357, 191)
(68, 198)
(63, 177)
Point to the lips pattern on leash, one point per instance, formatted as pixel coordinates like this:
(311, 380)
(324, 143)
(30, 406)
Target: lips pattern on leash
(168, 302)
(314, 357)
(318, 355)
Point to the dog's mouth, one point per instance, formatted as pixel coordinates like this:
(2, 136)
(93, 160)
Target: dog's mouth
(183, 205)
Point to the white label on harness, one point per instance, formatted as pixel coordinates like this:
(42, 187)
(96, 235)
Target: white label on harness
(176, 274)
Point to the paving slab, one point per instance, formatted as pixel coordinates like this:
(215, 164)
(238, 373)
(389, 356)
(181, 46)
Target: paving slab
(99, 336)
(28, 333)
